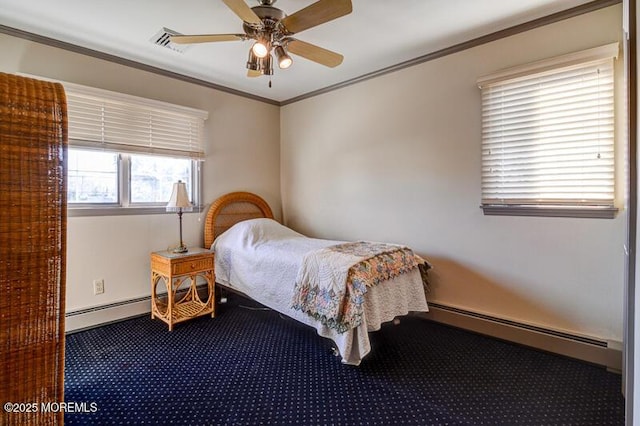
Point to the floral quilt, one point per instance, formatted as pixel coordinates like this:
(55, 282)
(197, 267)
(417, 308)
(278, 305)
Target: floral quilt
(332, 281)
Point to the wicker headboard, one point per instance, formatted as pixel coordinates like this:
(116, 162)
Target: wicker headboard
(230, 209)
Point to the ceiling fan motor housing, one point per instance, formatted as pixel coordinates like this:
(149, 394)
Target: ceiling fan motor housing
(270, 17)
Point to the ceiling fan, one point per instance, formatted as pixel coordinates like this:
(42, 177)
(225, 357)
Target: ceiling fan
(272, 31)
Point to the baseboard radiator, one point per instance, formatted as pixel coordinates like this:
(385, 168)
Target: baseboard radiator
(96, 316)
(83, 319)
(608, 354)
(605, 353)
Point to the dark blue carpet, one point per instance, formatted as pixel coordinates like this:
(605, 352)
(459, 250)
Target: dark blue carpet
(248, 367)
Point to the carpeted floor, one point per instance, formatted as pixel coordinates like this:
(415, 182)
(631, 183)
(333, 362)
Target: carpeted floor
(251, 367)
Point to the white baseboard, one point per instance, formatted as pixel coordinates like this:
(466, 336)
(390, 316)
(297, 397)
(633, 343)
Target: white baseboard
(101, 315)
(96, 316)
(593, 350)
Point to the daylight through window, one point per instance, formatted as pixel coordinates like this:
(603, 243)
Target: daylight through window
(126, 152)
(548, 137)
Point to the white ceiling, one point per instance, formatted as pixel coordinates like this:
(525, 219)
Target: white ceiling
(376, 35)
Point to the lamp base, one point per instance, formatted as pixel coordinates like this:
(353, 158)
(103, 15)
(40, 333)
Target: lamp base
(181, 249)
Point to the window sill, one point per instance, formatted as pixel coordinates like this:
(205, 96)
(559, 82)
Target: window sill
(121, 211)
(550, 211)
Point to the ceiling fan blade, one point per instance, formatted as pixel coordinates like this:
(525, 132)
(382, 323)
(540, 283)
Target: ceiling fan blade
(244, 12)
(253, 73)
(205, 38)
(314, 53)
(315, 14)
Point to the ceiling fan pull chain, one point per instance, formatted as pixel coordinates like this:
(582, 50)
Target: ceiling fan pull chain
(269, 82)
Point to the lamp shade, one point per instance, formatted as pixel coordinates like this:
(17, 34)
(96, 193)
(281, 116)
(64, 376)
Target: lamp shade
(179, 200)
(284, 60)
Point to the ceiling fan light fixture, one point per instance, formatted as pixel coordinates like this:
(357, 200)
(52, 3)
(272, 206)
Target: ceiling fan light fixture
(284, 60)
(253, 63)
(266, 65)
(270, 29)
(260, 49)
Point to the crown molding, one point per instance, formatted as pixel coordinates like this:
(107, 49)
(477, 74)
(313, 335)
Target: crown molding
(517, 29)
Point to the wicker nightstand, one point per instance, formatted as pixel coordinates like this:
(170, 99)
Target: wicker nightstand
(179, 272)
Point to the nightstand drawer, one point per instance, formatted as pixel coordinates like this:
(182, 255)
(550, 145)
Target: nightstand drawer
(192, 266)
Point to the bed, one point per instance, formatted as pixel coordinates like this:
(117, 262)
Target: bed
(273, 265)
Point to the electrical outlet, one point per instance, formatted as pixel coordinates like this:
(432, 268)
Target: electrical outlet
(98, 286)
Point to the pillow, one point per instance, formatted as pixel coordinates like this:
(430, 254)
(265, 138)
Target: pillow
(253, 232)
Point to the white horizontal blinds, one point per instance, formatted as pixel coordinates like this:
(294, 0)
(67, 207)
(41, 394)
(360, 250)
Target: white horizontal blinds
(548, 138)
(109, 120)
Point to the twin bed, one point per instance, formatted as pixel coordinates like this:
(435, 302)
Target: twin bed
(343, 290)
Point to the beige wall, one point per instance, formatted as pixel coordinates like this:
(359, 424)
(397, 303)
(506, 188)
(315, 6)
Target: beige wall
(397, 158)
(242, 146)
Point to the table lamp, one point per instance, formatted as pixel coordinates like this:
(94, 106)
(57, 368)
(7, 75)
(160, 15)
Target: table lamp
(179, 202)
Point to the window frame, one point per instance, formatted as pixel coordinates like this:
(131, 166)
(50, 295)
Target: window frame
(124, 205)
(564, 207)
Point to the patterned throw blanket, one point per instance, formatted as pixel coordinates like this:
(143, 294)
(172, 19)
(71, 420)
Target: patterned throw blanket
(332, 281)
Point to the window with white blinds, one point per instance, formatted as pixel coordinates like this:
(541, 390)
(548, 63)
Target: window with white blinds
(115, 121)
(548, 136)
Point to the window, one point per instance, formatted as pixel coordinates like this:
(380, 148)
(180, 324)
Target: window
(96, 180)
(548, 137)
(126, 152)
(152, 177)
(92, 177)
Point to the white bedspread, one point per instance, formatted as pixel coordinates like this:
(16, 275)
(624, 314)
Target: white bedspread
(261, 258)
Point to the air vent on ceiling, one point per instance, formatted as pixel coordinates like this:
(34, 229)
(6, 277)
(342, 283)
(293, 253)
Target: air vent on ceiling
(163, 38)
